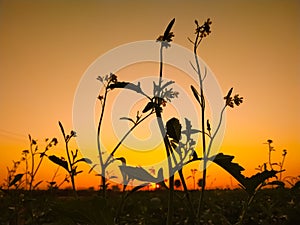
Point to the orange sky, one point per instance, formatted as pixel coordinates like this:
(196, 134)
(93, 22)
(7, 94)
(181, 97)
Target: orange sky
(254, 47)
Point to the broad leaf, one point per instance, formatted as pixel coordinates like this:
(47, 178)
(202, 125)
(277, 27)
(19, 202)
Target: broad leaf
(174, 129)
(16, 179)
(253, 182)
(250, 184)
(225, 161)
(138, 173)
(60, 162)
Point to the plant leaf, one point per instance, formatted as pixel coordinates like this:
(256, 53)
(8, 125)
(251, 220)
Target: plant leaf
(196, 94)
(127, 85)
(174, 129)
(37, 184)
(149, 106)
(225, 161)
(277, 182)
(62, 128)
(251, 183)
(87, 160)
(127, 118)
(168, 29)
(138, 173)
(92, 168)
(58, 161)
(16, 179)
(136, 189)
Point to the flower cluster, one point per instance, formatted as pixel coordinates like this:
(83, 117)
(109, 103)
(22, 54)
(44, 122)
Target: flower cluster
(203, 30)
(235, 100)
(168, 37)
(111, 78)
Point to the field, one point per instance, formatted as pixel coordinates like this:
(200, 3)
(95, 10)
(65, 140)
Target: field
(270, 206)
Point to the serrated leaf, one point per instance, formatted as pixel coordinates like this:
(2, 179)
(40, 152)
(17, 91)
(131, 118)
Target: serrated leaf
(174, 129)
(16, 179)
(253, 182)
(250, 184)
(58, 161)
(225, 161)
(138, 173)
(167, 84)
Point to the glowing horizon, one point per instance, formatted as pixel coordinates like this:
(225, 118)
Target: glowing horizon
(46, 48)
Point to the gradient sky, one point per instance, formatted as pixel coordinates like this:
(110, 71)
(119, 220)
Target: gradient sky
(46, 46)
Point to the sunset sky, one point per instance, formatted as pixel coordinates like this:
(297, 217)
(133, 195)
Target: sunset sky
(46, 47)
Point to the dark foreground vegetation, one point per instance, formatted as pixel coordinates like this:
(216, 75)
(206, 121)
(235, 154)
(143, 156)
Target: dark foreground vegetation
(271, 206)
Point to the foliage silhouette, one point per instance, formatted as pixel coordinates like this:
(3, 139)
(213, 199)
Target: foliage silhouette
(71, 165)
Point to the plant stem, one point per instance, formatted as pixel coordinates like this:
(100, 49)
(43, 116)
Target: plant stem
(270, 152)
(71, 172)
(166, 143)
(202, 105)
(103, 179)
(109, 159)
(32, 164)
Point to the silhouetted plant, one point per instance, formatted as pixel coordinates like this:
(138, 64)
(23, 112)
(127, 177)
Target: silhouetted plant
(34, 151)
(111, 82)
(13, 178)
(71, 165)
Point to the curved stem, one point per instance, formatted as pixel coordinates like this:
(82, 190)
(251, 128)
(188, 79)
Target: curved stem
(216, 131)
(109, 159)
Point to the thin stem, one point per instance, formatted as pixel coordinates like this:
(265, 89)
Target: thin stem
(166, 143)
(32, 164)
(109, 159)
(202, 104)
(186, 191)
(281, 166)
(71, 172)
(270, 152)
(160, 68)
(103, 180)
(216, 131)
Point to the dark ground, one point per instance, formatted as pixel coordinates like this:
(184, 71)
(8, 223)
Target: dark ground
(270, 206)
